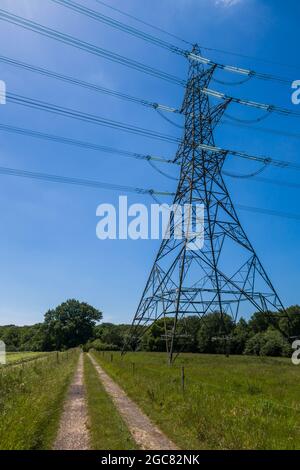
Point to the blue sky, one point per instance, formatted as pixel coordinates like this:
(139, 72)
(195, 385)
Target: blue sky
(49, 251)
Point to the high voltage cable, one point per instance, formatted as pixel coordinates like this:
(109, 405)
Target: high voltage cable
(110, 150)
(259, 210)
(261, 129)
(70, 40)
(253, 104)
(90, 118)
(83, 84)
(262, 159)
(245, 56)
(79, 8)
(261, 179)
(110, 186)
(143, 102)
(85, 46)
(237, 70)
(145, 23)
(119, 25)
(286, 184)
(206, 48)
(78, 181)
(81, 144)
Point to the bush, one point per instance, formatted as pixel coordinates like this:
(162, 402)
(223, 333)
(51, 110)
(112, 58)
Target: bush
(268, 343)
(100, 346)
(254, 344)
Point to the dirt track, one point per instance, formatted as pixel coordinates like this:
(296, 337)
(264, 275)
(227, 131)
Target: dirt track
(144, 432)
(73, 432)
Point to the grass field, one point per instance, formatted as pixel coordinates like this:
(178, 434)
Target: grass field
(228, 403)
(31, 400)
(21, 356)
(107, 429)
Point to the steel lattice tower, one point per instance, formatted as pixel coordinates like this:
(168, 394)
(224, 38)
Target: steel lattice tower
(224, 276)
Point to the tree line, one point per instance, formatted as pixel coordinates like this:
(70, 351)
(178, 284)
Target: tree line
(75, 323)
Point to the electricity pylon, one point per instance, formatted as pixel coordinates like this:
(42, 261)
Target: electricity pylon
(225, 276)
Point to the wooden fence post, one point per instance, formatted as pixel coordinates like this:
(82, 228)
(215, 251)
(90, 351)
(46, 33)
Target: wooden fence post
(182, 379)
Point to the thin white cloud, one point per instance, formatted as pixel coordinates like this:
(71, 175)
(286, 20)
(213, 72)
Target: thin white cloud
(227, 3)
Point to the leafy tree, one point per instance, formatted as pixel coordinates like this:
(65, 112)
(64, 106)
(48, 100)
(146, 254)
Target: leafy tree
(268, 343)
(99, 346)
(291, 326)
(240, 336)
(274, 344)
(70, 324)
(11, 337)
(189, 327)
(154, 338)
(32, 338)
(108, 333)
(254, 344)
(212, 333)
(259, 322)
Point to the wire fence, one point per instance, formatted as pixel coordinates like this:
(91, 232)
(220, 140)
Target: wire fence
(184, 382)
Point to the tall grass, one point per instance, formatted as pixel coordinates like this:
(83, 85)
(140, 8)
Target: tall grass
(228, 403)
(31, 400)
(18, 357)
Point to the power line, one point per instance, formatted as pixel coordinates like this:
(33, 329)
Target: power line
(245, 56)
(70, 40)
(286, 184)
(78, 181)
(206, 48)
(141, 101)
(261, 179)
(161, 43)
(238, 70)
(269, 108)
(174, 36)
(261, 129)
(81, 144)
(266, 160)
(286, 215)
(87, 47)
(83, 84)
(77, 7)
(258, 158)
(110, 186)
(90, 118)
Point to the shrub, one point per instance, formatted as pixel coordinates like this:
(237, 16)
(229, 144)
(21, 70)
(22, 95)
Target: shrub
(268, 343)
(100, 346)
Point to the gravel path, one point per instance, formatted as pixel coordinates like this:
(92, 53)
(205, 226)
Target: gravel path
(144, 432)
(73, 433)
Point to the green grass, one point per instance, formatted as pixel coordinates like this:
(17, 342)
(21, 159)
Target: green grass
(107, 429)
(31, 401)
(22, 356)
(228, 403)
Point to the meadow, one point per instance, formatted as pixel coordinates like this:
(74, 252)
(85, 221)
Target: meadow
(31, 399)
(16, 357)
(238, 402)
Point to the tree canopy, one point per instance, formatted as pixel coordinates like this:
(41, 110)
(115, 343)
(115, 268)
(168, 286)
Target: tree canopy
(75, 323)
(70, 324)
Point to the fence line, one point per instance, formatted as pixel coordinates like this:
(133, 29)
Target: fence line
(183, 381)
